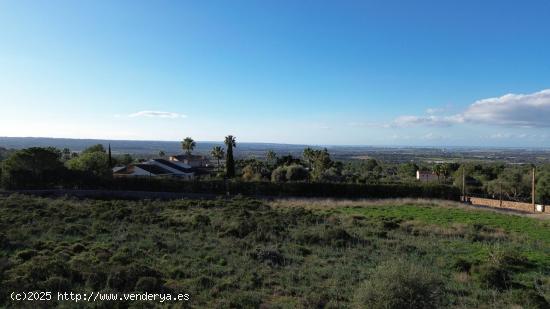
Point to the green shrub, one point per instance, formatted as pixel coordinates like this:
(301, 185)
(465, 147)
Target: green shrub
(26, 254)
(497, 271)
(245, 300)
(271, 256)
(279, 174)
(400, 284)
(147, 284)
(57, 284)
(461, 264)
(200, 221)
(78, 247)
(296, 173)
(494, 275)
(542, 286)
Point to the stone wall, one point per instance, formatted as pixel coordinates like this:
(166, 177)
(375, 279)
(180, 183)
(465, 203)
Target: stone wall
(526, 207)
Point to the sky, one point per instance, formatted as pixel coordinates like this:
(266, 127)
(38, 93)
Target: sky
(418, 73)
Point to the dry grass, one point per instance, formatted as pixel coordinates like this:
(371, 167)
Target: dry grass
(328, 203)
(331, 203)
(462, 277)
(455, 230)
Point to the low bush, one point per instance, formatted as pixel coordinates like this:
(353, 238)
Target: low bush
(496, 272)
(400, 284)
(271, 256)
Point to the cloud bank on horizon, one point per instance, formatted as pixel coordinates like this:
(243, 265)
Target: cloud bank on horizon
(157, 114)
(513, 110)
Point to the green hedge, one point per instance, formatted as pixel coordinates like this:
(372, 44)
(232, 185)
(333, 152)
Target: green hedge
(305, 189)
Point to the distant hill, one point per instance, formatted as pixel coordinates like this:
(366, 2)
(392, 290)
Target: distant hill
(144, 147)
(395, 154)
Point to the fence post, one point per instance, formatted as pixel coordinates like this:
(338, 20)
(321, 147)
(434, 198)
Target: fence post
(533, 190)
(500, 194)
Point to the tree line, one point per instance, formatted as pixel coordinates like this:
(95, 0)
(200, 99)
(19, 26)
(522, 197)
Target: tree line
(48, 167)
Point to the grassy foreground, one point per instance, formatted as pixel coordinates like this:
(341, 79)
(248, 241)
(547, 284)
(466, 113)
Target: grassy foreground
(245, 253)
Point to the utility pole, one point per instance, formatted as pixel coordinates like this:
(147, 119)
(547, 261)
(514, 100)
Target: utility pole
(500, 193)
(463, 183)
(533, 190)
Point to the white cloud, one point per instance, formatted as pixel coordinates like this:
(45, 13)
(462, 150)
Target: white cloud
(157, 114)
(367, 125)
(430, 120)
(517, 136)
(515, 110)
(522, 110)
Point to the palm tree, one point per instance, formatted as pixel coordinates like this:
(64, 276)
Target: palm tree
(188, 144)
(218, 153)
(230, 142)
(271, 156)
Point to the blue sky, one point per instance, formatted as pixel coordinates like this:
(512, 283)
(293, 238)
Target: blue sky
(439, 73)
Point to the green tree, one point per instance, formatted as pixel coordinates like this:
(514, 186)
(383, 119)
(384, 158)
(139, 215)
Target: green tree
(408, 170)
(93, 163)
(309, 156)
(110, 157)
(437, 170)
(33, 167)
(370, 164)
(543, 187)
(271, 156)
(252, 172)
(188, 144)
(321, 163)
(95, 148)
(125, 159)
(230, 142)
(513, 182)
(445, 170)
(4, 153)
(217, 153)
(287, 160)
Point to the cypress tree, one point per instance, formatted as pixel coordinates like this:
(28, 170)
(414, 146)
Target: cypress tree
(230, 142)
(110, 158)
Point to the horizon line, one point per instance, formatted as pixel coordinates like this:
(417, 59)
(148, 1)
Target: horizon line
(293, 144)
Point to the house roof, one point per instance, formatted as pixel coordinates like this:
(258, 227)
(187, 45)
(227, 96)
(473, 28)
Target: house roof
(174, 166)
(124, 170)
(188, 157)
(118, 168)
(153, 169)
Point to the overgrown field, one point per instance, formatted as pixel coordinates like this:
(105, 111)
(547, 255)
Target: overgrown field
(244, 253)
